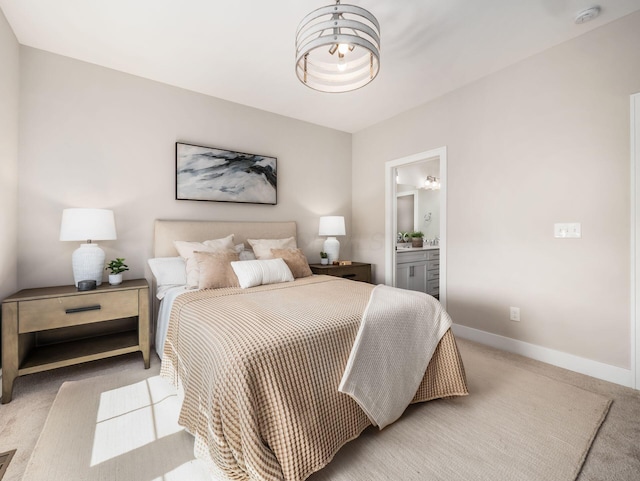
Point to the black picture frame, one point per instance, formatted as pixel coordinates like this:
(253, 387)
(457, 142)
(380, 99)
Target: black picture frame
(218, 175)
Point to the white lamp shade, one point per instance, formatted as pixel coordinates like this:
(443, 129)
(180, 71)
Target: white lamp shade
(87, 224)
(332, 225)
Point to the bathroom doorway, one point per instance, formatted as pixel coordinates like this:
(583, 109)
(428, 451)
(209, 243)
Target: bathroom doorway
(404, 178)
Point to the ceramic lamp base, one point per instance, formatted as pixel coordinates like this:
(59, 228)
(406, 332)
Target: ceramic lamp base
(332, 248)
(88, 263)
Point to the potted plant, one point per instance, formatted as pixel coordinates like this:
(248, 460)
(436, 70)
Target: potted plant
(416, 238)
(117, 267)
(324, 258)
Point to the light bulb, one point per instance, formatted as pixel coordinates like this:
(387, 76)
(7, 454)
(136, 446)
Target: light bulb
(343, 48)
(342, 65)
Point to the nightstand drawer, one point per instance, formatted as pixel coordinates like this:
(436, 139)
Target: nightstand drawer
(356, 271)
(41, 314)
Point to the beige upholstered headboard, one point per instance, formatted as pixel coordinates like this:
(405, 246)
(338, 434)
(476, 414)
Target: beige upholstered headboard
(167, 231)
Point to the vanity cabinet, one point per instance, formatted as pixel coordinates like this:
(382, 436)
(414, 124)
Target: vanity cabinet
(419, 271)
(433, 273)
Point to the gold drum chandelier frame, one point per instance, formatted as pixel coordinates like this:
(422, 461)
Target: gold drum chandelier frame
(338, 48)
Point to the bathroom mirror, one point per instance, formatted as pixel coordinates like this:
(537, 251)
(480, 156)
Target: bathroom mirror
(418, 199)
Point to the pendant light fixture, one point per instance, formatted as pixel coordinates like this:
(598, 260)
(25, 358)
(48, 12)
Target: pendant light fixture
(338, 48)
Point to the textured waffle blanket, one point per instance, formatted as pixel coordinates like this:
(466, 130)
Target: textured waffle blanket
(259, 371)
(399, 333)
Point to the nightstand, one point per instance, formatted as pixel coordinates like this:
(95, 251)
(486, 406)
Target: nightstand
(52, 327)
(357, 271)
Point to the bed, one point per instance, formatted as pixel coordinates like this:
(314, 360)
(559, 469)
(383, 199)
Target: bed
(258, 369)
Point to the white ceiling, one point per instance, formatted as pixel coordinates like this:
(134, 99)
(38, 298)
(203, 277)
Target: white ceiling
(243, 50)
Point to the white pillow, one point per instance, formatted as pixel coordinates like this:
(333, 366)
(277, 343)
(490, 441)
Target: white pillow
(186, 250)
(262, 247)
(259, 272)
(168, 270)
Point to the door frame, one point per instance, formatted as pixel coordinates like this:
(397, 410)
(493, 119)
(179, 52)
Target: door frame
(390, 221)
(635, 239)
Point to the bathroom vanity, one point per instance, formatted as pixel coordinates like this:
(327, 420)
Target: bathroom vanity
(418, 269)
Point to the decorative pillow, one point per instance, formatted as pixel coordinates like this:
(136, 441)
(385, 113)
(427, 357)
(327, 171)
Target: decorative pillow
(295, 260)
(168, 270)
(215, 269)
(247, 255)
(259, 272)
(262, 247)
(223, 243)
(244, 253)
(186, 250)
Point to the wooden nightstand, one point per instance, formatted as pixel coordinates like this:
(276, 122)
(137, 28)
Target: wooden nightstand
(357, 271)
(52, 327)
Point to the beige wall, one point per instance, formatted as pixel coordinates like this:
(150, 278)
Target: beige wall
(9, 95)
(94, 137)
(543, 141)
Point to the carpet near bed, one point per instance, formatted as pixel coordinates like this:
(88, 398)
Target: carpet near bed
(515, 425)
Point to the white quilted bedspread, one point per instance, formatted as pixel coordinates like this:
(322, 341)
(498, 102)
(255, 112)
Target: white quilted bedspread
(399, 333)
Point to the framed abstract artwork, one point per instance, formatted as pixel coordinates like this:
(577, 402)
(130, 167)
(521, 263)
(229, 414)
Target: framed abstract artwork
(207, 173)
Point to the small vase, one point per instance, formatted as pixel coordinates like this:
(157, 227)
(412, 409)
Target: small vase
(115, 279)
(416, 242)
(324, 261)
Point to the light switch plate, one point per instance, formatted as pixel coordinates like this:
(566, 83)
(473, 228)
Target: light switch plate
(567, 230)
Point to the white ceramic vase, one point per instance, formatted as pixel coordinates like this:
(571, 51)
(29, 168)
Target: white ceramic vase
(115, 279)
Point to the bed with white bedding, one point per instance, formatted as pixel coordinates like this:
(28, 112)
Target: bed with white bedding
(259, 368)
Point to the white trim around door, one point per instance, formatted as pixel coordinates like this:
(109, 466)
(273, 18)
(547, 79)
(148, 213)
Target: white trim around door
(390, 216)
(635, 239)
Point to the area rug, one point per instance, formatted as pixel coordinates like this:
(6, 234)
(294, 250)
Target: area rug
(115, 428)
(515, 425)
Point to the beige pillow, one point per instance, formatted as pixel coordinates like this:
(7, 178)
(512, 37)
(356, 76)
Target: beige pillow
(215, 269)
(186, 250)
(295, 259)
(262, 247)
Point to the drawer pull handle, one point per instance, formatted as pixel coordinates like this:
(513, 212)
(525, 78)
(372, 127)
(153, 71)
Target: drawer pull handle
(82, 309)
(348, 276)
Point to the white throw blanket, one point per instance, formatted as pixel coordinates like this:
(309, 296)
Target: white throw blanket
(399, 333)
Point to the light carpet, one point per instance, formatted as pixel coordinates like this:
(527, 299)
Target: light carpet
(514, 425)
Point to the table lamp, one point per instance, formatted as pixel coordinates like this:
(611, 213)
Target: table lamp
(332, 225)
(87, 225)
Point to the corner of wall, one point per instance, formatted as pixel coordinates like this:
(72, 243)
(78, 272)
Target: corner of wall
(9, 99)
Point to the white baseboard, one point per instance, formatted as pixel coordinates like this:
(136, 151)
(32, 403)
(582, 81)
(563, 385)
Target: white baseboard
(582, 365)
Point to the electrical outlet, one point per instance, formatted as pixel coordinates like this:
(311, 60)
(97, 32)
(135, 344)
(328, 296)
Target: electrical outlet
(514, 314)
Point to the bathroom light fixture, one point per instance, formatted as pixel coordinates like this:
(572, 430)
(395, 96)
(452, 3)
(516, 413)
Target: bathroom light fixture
(332, 225)
(87, 225)
(338, 48)
(432, 183)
